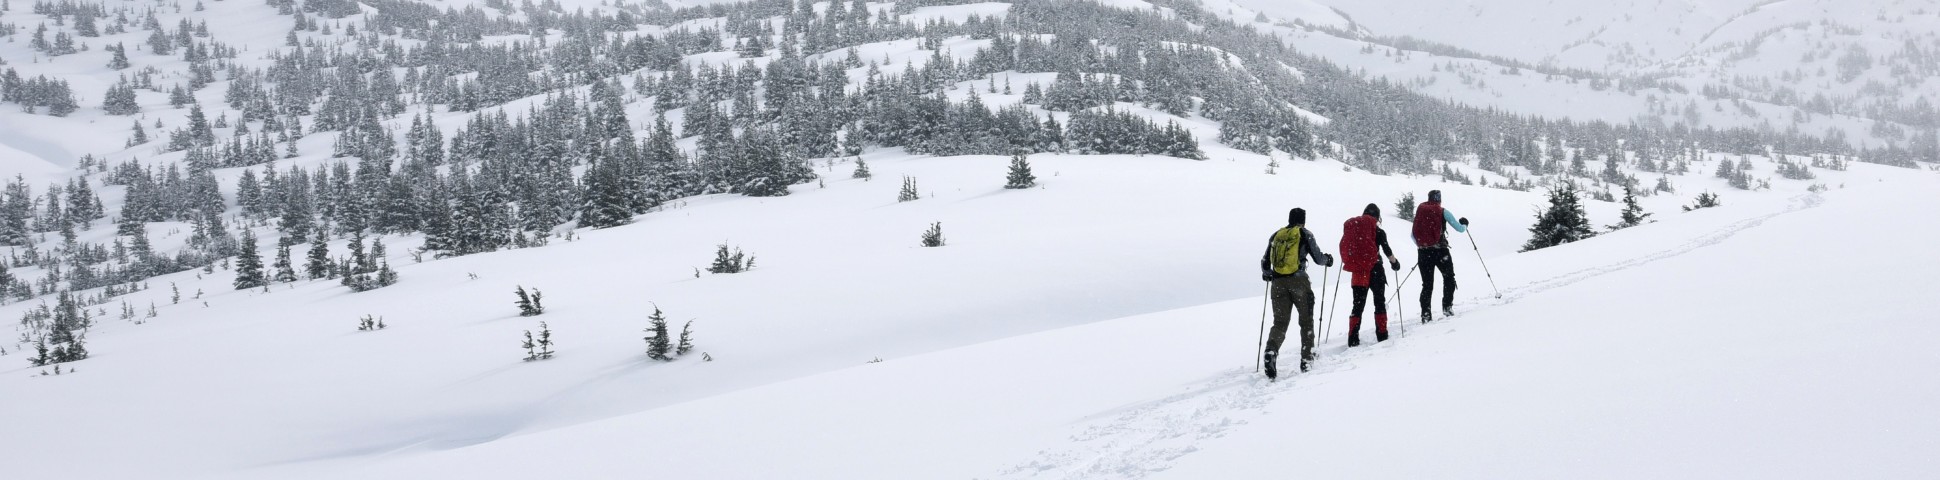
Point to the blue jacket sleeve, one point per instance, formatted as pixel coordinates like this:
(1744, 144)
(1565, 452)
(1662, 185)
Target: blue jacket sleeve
(1449, 217)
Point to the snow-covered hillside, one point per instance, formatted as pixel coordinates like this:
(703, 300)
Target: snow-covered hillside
(1662, 352)
(209, 207)
(281, 383)
(1870, 69)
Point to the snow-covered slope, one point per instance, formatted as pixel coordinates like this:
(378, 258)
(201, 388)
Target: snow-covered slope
(1097, 326)
(241, 381)
(1870, 69)
(1730, 342)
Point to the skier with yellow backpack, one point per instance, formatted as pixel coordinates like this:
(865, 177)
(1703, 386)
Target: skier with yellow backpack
(1283, 267)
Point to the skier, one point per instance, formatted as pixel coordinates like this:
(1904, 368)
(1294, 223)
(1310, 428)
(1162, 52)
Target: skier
(1431, 239)
(1360, 238)
(1284, 267)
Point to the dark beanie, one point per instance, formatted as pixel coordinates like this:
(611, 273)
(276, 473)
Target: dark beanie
(1434, 195)
(1372, 211)
(1297, 217)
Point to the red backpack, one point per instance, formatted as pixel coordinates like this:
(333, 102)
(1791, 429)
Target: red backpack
(1428, 224)
(1359, 250)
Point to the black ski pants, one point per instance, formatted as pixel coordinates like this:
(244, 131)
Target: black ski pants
(1376, 285)
(1429, 260)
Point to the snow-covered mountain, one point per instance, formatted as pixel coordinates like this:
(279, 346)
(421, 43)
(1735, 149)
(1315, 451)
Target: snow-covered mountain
(214, 205)
(1868, 69)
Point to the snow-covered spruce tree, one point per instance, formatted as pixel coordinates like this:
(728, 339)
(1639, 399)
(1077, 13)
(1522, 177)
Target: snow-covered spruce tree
(861, 170)
(660, 343)
(1020, 173)
(686, 339)
(1633, 214)
(1705, 200)
(1741, 179)
(529, 304)
(285, 270)
(317, 263)
(249, 264)
(65, 340)
(120, 100)
(1404, 209)
(545, 341)
(730, 262)
(1563, 222)
(607, 203)
(539, 348)
(934, 236)
(908, 192)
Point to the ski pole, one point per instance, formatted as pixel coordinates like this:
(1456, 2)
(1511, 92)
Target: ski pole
(1399, 310)
(1260, 353)
(1323, 295)
(1485, 264)
(1329, 332)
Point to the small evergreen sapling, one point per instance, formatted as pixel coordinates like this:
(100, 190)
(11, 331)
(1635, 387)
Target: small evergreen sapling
(862, 170)
(249, 265)
(730, 262)
(1633, 214)
(1705, 200)
(539, 348)
(686, 339)
(1404, 209)
(529, 305)
(285, 271)
(908, 192)
(369, 323)
(1563, 222)
(1020, 173)
(934, 236)
(659, 344)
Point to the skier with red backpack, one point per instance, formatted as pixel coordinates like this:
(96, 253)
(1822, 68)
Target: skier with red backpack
(1431, 240)
(1362, 245)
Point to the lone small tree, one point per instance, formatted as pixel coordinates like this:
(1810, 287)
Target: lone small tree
(934, 236)
(730, 262)
(686, 339)
(541, 347)
(249, 264)
(1020, 173)
(285, 270)
(317, 265)
(1563, 222)
(862, 170)
(1405, 208)
(659, 344)
(1705, 200)
(908, 193)
(529, 305)
(1633, 214)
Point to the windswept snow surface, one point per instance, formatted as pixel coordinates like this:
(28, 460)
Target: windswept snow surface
(1001, 355)
(1741, 342)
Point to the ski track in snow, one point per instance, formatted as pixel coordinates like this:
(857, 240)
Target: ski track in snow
(1147, 438)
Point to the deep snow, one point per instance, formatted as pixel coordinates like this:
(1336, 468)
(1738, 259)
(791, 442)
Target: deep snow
(1100, 326)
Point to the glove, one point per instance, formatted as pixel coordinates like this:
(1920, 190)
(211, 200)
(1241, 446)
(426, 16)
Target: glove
(1463, 221)
(1326, 260)
(1394, 264)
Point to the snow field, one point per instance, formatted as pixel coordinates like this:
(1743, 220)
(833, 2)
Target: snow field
(1661, 351)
